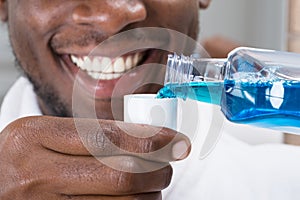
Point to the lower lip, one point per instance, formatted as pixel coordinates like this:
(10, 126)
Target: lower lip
(97, 89)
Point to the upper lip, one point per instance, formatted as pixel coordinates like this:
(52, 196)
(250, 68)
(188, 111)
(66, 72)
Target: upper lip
(104, 50)
(91, 42)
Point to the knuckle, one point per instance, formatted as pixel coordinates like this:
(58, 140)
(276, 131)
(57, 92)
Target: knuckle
(126, 179)
(20, 131)
(101, 140)
(18, 141)
(15, 133)
(168, 176)
(125, 183)
(153, 145)
(98, 142)
(133, 183)
(162, 140)
(21, 184)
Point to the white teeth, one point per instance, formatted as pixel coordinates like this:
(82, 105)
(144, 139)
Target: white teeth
(136, 58)
(102, 76)
(116, 75)
(80, 62)
(74, 59)
(128, 62)
(107, 65)
(105, 68)
(97, 76)
(119, 65)
(96, 67)
(87, 63)
(109, 76)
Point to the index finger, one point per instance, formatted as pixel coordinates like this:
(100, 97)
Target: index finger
(88, 137)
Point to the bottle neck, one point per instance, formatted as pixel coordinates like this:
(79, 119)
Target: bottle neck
(193, 78)
(208, 69)
(186, 69)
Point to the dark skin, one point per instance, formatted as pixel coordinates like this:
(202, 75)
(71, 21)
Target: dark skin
(44, 157)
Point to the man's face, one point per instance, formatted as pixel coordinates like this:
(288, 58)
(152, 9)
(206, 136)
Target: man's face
(53, 38)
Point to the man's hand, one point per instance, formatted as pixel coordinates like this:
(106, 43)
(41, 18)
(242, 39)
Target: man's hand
(56, 158)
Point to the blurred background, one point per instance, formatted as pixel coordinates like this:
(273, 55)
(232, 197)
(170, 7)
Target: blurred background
(258, 23)
(8, 71)
(272, 24)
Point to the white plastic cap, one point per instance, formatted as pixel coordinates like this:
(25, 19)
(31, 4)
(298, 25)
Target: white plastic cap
(147, 109)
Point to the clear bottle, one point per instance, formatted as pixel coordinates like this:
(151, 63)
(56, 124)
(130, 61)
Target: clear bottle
(252, 86)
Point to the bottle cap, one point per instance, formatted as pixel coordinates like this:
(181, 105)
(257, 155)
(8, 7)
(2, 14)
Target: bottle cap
(147, 109)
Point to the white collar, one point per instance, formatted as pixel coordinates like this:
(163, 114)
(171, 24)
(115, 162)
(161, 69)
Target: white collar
(20, 101)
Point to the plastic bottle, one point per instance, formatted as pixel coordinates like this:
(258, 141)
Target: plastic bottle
(252, 86)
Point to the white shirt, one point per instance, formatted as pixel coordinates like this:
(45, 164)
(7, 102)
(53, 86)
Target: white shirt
(234, 170)
(20, 101)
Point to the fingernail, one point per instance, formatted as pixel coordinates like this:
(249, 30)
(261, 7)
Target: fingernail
(180, 150)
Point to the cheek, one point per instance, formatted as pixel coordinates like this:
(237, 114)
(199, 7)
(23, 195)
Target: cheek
(23, 48)
(24, 36)
(180, 15)
(30, 26)
(29, 34)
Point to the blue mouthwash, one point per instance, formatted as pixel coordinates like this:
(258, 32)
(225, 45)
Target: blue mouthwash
(252, 86)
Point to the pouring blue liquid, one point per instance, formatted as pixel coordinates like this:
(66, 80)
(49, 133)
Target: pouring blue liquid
(251, 97)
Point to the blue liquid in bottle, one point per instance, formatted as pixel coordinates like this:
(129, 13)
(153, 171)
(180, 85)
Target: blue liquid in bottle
(267, 104)
(208, 92)
(262, 97)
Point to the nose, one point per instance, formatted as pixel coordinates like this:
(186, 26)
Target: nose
(110, 15)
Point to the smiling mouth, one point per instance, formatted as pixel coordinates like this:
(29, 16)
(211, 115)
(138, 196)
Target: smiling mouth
(106, 68)
(98, 75)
